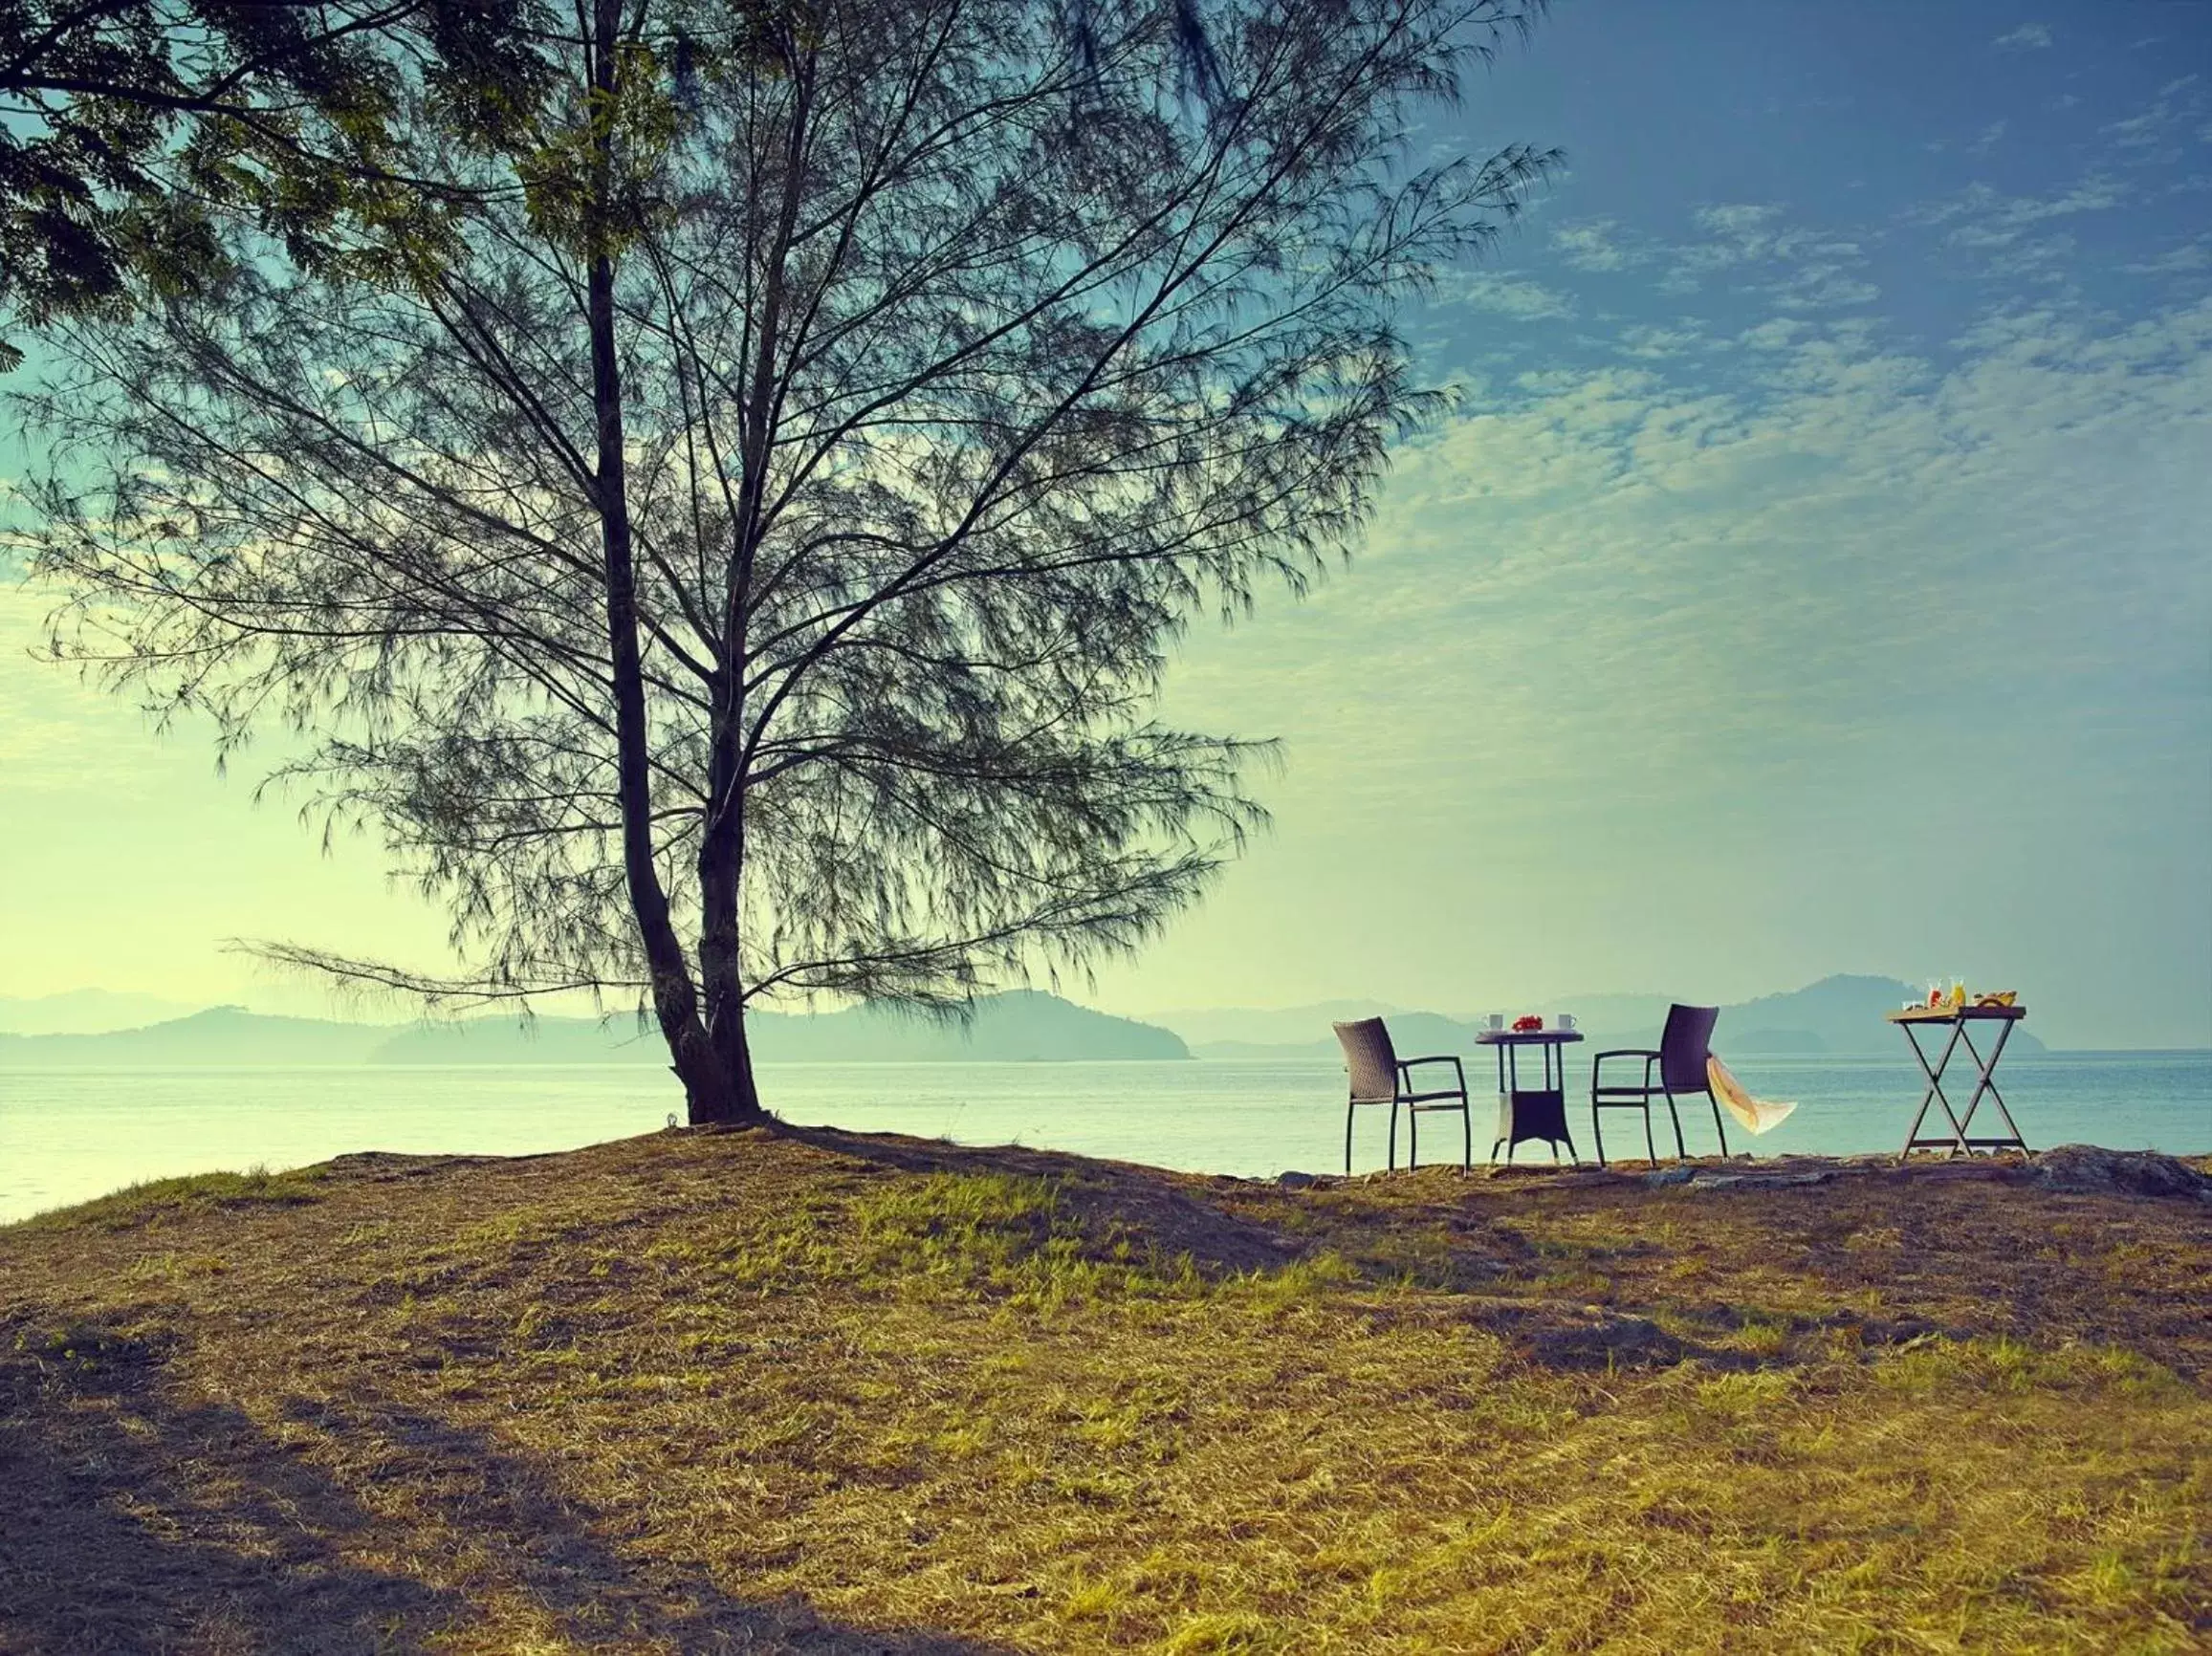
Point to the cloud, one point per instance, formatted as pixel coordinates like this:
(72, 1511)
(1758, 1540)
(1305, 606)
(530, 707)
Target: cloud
(2028, 38)
(1511, 296)
(2014, 238)
(1863, 649)
(60, 729)
(2155, 136)
(1821, 287)
(1647, 343)
(1737, 221)
(1800, 267)
(1988, 140)
(1591, 246)
(1977, 204)
(1776, 333)
(2184, 260)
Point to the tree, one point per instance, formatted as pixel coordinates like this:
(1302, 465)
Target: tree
(777, 509)
(123, 120)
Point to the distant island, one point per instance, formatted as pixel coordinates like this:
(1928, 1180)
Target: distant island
(1840, 1014)
(1022, 1026)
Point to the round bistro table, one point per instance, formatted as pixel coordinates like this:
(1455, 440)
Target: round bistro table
(1537, 1112)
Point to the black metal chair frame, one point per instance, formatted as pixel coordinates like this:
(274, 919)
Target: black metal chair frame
(1415, 1103)
(1626, 1097)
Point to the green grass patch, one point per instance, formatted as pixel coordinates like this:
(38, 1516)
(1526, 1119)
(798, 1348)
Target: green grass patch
(156, 1199)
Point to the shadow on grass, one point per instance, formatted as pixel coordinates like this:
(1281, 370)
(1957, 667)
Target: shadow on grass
(134, 1520)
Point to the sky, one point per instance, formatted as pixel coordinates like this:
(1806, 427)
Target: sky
(1812, 576)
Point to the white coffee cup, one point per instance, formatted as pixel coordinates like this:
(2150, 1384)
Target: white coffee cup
(1566, 1020)
(1497, 1021)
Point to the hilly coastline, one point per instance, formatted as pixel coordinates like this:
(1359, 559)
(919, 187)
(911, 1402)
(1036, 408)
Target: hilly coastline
(1022, 1026)
(1840, 1015)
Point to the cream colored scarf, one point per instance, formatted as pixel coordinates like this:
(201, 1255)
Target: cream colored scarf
(1756, 1114)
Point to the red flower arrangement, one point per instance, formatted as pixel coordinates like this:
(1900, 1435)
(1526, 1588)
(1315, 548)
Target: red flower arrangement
(1529, 1025)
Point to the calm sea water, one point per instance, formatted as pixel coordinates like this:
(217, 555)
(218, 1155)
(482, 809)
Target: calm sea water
(67, 1135)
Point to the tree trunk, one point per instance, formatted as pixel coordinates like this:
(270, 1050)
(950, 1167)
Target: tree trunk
(722, 843)
(711, 1091)
(721, 864)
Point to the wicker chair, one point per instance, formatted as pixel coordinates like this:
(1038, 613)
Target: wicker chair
(1380, 1077)
(1680, 1065)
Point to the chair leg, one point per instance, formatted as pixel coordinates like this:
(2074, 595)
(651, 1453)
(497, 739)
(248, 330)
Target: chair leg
(1413, 1141)
(1393, 1163)
(1467, 1128)
(1573, 1154)
(1493, 1144)
(1681, 1150)
(1349, 1111)
(1651, 1148)
(1597, 1131)
(1716, 1126)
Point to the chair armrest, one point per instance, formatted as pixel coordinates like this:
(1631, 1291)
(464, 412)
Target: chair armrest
(1597, 1063)
(1407, 1064)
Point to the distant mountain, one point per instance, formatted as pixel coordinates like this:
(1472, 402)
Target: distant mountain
(1837, 1015)
(1275, 1026)
(1414, 1034)
(1288, 1033)
(220, 1037)
(84, 1011)
(1020, 1026)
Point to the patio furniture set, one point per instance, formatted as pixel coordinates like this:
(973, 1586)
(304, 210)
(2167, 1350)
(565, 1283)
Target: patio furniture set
(1674, 1072)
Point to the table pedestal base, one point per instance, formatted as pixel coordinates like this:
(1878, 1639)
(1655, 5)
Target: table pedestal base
(1541, 1114)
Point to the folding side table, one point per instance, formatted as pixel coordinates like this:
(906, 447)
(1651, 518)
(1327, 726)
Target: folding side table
(1531, 1111)
(1959, 1141)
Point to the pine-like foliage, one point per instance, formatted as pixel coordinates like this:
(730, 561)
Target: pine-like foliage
(957, 363)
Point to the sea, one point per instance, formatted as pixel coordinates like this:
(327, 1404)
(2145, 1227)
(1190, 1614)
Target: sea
(68, 1135)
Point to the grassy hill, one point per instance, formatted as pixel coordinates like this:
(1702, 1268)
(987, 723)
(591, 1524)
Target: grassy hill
(817, 1392)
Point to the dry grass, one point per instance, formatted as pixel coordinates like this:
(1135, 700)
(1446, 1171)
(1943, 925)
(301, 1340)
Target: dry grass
(810, 1391)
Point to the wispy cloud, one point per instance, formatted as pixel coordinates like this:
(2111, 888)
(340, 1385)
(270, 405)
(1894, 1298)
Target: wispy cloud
(2028, 38)
(1823, 287)
(2184, 260)
(1594, 245)
(1743, 222)
(2157, 135)
(1979, 205)
(1510, 296)
(1647, 343)
(2020, 239)
(1595, 584)
(54, 717)
(1800, 267)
